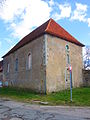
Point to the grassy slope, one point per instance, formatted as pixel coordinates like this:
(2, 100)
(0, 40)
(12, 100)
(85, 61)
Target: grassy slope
(81, 96)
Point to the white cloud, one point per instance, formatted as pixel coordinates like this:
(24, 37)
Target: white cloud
(37, 13)
(88, 21)
(84, 51)
(24, 15)
(1, 59)
(51, 2)
(29, 13)
(11, 8)
(65, 11)
(80, 12)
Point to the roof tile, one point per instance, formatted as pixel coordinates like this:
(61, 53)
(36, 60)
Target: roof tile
(50, 27)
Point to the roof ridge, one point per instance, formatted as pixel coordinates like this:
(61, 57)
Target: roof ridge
(49, 27)
(49, 21)
(59, 31)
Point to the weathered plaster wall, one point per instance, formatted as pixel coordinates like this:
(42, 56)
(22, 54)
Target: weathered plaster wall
(47, 50)
(56, 63)
(34, 78)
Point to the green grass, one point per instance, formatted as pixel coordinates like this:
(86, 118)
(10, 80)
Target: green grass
(81, 96)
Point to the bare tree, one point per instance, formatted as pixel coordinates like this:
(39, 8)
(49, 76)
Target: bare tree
(86, 57)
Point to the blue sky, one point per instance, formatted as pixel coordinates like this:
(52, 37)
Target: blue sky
(20, 17)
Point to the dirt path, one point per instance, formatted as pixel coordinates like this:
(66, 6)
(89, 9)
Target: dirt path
(11, 110)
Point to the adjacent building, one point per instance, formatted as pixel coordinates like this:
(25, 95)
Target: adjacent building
(41, 59)
(1, 71)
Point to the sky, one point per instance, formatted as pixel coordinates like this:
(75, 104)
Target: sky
(20, 17)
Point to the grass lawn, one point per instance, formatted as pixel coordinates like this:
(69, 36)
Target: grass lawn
(81, 96)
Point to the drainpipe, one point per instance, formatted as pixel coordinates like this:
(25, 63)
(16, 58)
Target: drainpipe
(70, 69)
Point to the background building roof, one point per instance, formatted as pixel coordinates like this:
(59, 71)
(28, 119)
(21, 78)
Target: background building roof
(1, 66)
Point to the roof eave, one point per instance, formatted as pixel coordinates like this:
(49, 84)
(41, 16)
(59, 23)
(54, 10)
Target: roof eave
(79, 44)
(10, 52)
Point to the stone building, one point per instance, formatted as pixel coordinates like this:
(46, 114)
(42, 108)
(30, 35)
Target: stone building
(1, 71)
(86, 78)
(40, 60)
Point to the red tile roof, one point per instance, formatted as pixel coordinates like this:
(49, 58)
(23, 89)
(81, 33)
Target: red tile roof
(1, 66)
(50, 27)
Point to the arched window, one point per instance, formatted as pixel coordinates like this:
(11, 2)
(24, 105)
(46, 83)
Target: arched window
(67, 48)
(8, 67)
(16, 64)
(67, 53)
(29, 61)
(68, 59)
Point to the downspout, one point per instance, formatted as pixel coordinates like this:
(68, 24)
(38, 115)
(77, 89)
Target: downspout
(45, 61)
